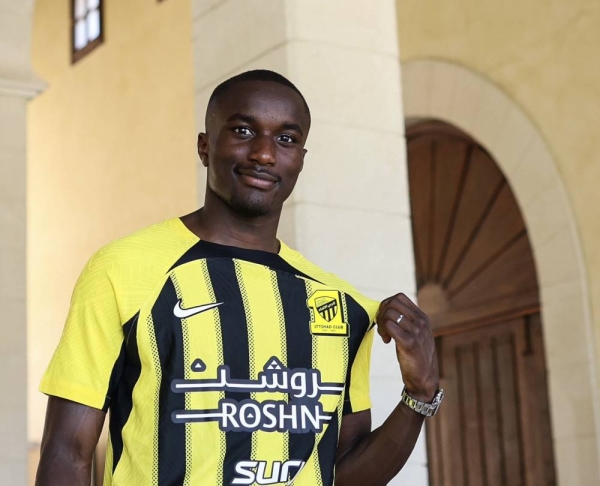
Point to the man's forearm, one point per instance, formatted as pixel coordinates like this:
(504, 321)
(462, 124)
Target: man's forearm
(60, 468)
(70, 437)
(380, 455)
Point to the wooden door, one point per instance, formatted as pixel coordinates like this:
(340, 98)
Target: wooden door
(494, 428)
(476, 280)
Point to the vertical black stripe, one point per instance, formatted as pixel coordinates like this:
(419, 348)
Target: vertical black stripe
(298, 346)
(359, 324)
(171, 436)
(327, 449)
(123, 378)
(234, 332)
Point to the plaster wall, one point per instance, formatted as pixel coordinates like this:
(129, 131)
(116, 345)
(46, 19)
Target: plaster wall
(349, 212)
(520, 78)
(13, 359)
(111, 149)
(543, 56)
(437, 90)
(18, 84)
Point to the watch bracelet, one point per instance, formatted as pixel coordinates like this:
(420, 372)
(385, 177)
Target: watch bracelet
(426, 409)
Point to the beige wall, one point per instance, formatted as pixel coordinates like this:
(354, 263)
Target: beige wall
(343, 55)
(18, 84)
(111, 149)
(540, 56)
(13, 359)
(454, 94)
(544, 56)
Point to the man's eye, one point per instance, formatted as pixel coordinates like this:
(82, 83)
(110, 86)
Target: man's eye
(286, 138)
(242, 131)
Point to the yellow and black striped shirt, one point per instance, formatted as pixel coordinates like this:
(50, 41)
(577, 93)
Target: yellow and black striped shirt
(219, 365)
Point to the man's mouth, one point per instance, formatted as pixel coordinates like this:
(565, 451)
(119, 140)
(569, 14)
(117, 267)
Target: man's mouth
(257, 178)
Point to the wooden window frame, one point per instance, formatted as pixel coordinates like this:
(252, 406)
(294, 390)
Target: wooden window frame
(76, 54)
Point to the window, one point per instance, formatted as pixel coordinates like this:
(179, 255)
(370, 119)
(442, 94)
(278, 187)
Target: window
(87, 29)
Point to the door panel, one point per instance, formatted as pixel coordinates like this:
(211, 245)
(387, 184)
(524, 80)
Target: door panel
(477, 281)
(469, 236)
(491, 430)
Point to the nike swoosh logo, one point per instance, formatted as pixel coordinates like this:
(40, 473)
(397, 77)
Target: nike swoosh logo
(192, 311)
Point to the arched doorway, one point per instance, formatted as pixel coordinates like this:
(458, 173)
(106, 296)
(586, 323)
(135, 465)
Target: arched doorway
(477, 280)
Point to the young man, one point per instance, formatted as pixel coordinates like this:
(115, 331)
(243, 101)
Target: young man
(224, 356)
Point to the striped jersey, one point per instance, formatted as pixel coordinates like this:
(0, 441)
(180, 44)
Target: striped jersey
(218, 365)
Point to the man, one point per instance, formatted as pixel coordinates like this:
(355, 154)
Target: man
(224, 356)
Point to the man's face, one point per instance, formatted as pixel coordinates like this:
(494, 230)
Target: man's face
(254, 146)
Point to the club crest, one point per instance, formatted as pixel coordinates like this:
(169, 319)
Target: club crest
(327, 313)
(327, 307)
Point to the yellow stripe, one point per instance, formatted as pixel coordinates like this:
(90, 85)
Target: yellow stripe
(359, 381)
(330, 356)
(345, 360)
(108, 461)
(155, 373)
(263, 314)
(311, 473)
(187, 373)
(205, 442)
(345, 351)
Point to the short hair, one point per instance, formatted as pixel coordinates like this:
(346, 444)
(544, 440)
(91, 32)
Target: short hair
(254, 75)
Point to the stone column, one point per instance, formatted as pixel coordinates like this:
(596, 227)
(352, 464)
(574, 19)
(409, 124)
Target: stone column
(17, 85)
(350, 211)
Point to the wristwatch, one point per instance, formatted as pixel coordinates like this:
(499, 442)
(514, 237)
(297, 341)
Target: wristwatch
(427, 409)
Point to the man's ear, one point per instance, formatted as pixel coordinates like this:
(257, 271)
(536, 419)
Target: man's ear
(203, 148)
(304, 152)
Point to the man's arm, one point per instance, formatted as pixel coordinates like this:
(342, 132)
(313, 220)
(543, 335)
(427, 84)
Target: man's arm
(71, 433)
(374, 458)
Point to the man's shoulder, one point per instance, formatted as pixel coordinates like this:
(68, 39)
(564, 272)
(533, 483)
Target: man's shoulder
(127, 269)
(154, 246)
(316, 272)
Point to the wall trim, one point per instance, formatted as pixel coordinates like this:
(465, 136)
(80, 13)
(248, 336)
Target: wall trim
(23, 89)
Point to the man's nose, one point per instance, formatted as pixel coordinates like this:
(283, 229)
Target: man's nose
(263, 150)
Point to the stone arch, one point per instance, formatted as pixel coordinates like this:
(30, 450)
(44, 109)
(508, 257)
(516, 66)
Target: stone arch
(451, 93)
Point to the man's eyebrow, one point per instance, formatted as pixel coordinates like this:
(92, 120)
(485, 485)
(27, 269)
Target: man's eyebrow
(251, 119)
(293, 126)
(242, 117)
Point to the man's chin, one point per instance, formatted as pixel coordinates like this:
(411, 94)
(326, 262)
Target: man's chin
(250, 209)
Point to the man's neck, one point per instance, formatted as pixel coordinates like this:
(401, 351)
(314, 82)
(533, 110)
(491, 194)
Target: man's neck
(217, 223)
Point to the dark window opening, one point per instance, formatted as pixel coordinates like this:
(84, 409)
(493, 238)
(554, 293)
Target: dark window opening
(87, 27)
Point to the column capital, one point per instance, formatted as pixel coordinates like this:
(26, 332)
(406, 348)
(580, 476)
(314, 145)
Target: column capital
(27, 89)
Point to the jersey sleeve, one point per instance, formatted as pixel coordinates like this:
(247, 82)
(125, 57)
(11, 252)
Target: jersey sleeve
(357, 396)
(91, 343)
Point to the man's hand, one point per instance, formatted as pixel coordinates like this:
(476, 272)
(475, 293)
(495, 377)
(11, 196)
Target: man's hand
(415, 346)
(375, 458)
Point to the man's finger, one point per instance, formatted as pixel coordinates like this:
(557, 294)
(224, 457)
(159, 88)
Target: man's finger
(384, 335)
(417, 316)
(402, 298)
(395, 309)
(408, 322)
(408, 302)
(399, 335)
